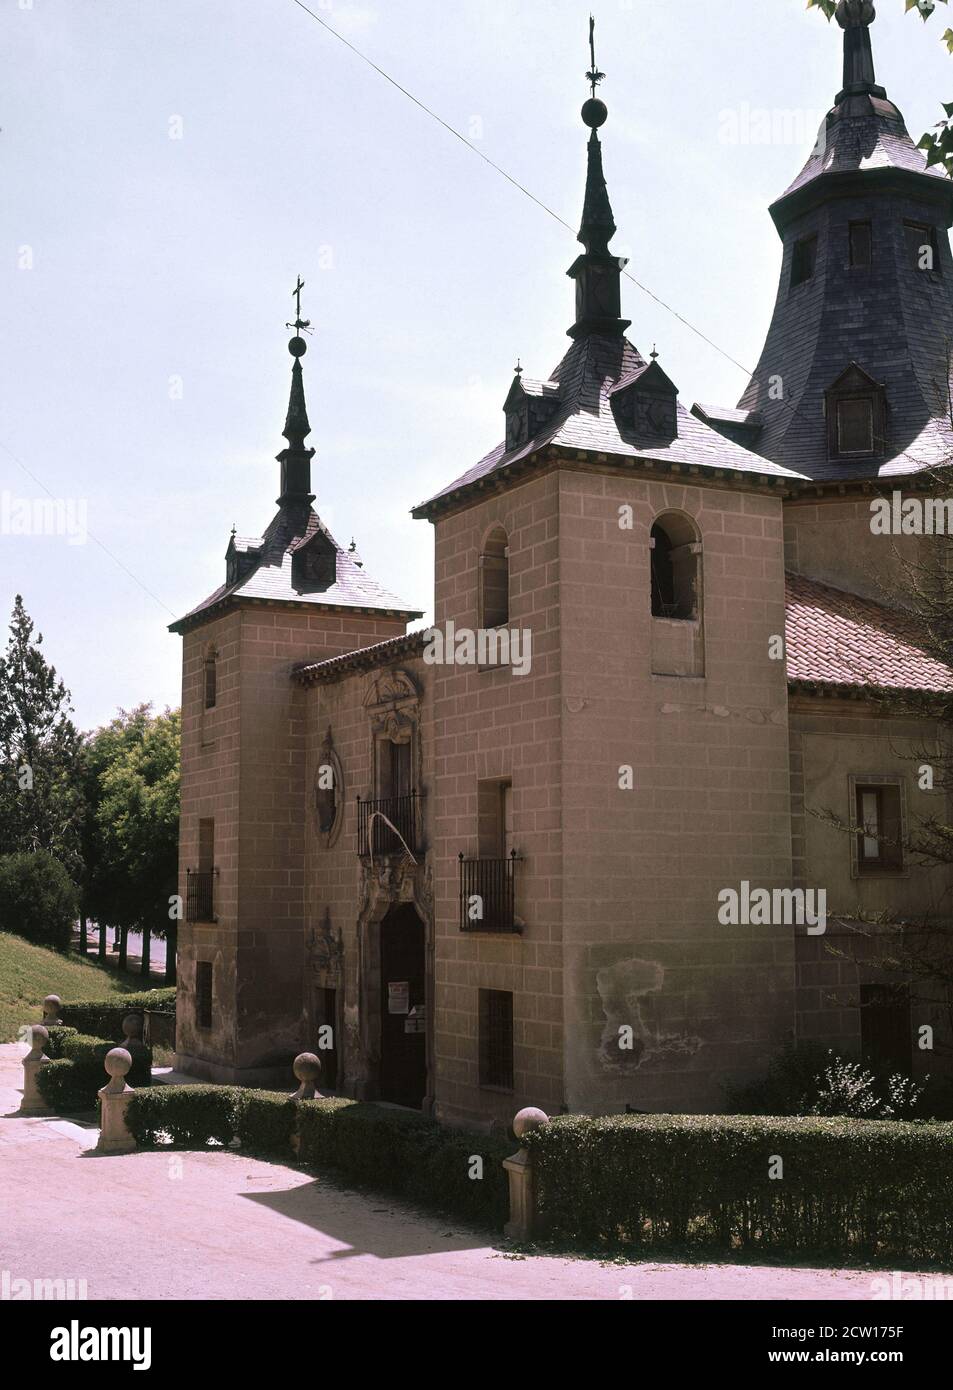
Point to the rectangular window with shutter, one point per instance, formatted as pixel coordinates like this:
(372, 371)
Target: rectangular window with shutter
(861, 245)
(923, 247)
(879, 825)
(496, 1039)
(803, 260)
(203, 994)
(855, 426)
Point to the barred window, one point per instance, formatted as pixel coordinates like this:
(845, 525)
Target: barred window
(203, 994)
(496, 1039)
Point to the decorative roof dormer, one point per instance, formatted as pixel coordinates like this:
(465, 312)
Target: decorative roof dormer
(241, 557)
(597, 273)
(645, 404)
(856, 410)
(314, 561)
(529, 406)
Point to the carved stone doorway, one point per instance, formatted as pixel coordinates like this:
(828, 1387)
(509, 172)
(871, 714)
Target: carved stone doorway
(403, 1007)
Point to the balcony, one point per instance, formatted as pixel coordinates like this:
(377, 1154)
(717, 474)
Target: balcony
(488, 895)
(388, 826)
(200, 895)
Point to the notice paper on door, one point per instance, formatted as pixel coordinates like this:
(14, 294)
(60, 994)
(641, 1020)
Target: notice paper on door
(398, 996)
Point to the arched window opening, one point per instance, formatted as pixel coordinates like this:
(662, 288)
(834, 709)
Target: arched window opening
(674, 569)
(211, 678)
(495, 580)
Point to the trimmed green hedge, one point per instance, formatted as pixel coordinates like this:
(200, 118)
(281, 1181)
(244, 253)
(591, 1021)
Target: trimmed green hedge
(408, 1155)
(73, 1081)
(265, 1123)
(190, 1115)
(102, 1018)
(58, 1034)
(865, 1188)
(403, 1154)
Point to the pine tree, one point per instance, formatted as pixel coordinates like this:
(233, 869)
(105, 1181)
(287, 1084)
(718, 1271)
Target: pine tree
(40, 788)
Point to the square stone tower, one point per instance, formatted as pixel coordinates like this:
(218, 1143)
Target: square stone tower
(291, 596)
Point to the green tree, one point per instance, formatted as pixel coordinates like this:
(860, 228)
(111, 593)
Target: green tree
(131, 832)
(37, 899)
(40, 791)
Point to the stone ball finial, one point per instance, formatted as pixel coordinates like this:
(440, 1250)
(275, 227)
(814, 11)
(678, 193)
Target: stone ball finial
(851, 14)
(132, 1028)
(39, 1037)
(595, 113)
(529, 1119)
(307, 1070)
(307, 1067)
(51, 1009)
(117, 1062)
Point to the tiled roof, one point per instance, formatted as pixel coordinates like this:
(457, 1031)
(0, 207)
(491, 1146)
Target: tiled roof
(839, 639)
(271, 578)
(592, 367)
(364, 659)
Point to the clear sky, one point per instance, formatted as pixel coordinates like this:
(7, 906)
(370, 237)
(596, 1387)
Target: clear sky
(167, 169)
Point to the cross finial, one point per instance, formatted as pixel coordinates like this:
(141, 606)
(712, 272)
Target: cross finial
(593, 76)
(300, 325)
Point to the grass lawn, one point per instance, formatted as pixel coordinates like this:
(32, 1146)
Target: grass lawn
(29, 973)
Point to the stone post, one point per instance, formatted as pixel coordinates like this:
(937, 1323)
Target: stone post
(34, 1061)
(522, 1178)
(307, 1069)
(114, 1136)
(51, 1011)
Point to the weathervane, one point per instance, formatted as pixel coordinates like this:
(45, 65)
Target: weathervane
(594, 76)
(300, 325)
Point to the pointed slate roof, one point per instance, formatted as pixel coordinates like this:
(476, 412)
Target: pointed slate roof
(273, 568)
(591, 371)
(863, 131)
(271, 580)
(890, 318)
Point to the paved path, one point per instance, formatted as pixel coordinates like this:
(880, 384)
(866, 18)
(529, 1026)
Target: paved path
(215, 1224)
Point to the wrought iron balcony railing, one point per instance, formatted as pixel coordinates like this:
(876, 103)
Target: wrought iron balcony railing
(200, 895)
(389, 825)
(488, 894)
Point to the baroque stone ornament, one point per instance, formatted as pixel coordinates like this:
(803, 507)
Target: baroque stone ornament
(329, 797)
(325, 949)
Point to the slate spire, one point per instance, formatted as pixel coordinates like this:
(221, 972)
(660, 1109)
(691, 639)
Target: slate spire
(296, 459)
(855, 18)
(597, 272)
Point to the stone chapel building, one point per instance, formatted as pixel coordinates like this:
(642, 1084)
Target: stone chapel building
(442, 873)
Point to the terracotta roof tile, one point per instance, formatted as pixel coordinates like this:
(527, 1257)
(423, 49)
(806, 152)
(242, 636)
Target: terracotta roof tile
(835, 638)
